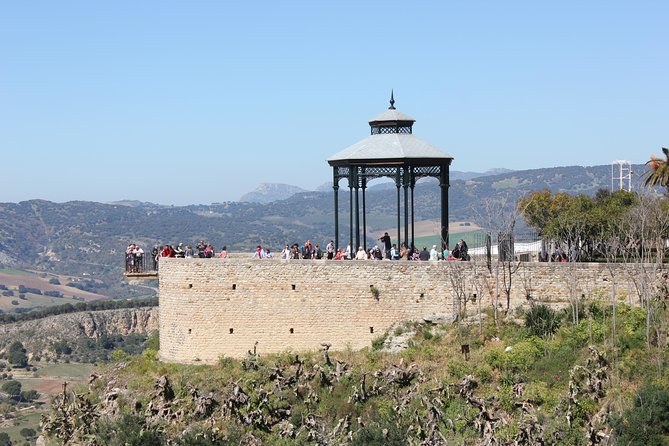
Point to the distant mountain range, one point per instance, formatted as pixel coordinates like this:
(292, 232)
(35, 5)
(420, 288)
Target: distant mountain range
(269, 192)
(87, 237)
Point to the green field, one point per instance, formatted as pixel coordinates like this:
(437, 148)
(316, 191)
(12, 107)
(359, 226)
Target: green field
(32, 301)
(62, 370)
(28, 419)
(47, 381)
(14, 272)
(474, 239)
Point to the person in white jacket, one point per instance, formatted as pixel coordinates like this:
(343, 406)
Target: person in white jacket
(361, 255)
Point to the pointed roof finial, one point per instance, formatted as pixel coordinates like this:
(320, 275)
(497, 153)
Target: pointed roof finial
(392, 101)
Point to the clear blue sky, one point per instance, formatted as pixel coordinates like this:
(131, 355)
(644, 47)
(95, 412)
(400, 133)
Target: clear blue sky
(198, 102)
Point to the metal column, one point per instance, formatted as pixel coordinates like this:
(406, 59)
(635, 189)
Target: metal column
(364, 212)
(444, 185)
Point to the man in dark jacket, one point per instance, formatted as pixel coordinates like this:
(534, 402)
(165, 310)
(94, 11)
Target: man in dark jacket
(424, 254)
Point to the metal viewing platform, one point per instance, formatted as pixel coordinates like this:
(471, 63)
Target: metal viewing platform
(140, 268)
(149, 275)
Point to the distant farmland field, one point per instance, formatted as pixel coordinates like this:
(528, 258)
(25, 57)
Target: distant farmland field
(12, 279)
(474, 239)
(427, 233)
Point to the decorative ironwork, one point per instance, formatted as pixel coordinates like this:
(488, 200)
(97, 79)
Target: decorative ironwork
(341, 173)
(427, 171)
(386, 129)
(378, 172)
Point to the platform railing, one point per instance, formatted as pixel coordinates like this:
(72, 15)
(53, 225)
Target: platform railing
(141, 264)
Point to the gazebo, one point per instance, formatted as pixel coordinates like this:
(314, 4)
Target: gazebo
(390, 151)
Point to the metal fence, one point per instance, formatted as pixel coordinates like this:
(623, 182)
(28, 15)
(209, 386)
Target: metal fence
(523, 246)
(140, 264)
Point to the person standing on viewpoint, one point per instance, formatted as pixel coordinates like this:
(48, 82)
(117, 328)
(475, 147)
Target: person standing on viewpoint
(386, 245)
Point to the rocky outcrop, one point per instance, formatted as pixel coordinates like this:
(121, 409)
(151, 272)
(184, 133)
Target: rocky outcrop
(39, 335)
(112, 322)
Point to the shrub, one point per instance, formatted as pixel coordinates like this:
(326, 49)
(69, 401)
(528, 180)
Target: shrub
(647, 421)
(484, 373)
(541, 320)
(118, 355)
(539, 393)
(29, 395)
(54, 294)
(377, 343)
(385, 433)
(595, 311)
(521, 357)
(128, 430)
(28, 433)
(61, 348)
(24, 289)
(205, 437)
(153, 341)
(457, 369)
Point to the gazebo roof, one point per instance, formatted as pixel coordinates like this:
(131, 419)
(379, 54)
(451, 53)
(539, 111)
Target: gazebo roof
(388, 147)
(392, 115)
(391, 142)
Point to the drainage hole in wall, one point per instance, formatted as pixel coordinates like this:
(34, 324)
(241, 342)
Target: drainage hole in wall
(190, 285)
(232, 330)
(292, 331)
(234, 286)
(293, 286)
(422, 294)
(371, 329)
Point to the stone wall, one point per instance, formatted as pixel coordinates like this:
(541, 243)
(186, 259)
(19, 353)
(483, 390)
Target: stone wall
(214, 307)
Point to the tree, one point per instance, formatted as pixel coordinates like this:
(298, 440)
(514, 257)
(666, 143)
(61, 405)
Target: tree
(62, 348)
(12, 388)
(5, 440)
(28, 433)
(16, 355)
(576, 225)
(658, 175)
(500, 215)
(29, 395)
(458, 277)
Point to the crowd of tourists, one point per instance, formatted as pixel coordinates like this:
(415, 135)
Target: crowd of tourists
(202, 250)
(312, 251)
(136, 257)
